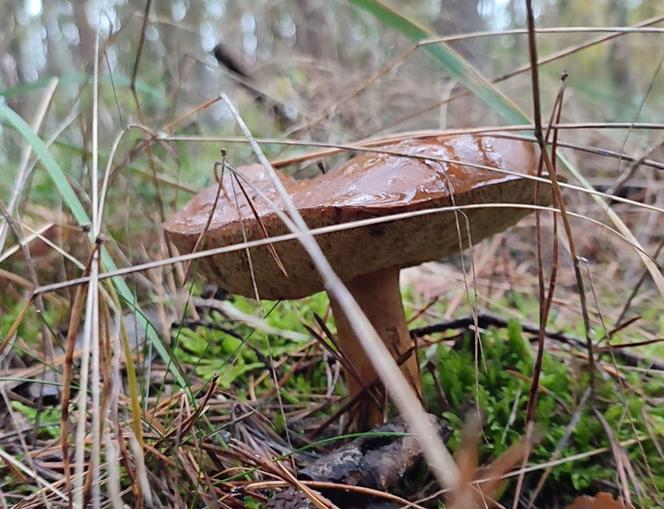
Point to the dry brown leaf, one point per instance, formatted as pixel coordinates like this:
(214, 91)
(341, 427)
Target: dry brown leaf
(602, 500)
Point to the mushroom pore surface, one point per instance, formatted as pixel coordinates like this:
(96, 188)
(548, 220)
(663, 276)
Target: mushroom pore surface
(370, 185)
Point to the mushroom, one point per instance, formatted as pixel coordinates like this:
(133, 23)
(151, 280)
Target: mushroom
(367, 258)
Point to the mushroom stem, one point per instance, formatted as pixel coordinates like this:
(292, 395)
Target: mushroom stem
(379, 296)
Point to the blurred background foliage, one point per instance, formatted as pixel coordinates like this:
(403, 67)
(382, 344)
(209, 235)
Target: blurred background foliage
(306, 53)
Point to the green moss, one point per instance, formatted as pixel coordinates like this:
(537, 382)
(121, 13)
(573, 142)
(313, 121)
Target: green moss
(48, 418)
(501, 386)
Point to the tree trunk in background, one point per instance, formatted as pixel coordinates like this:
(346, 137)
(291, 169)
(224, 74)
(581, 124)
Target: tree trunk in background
(12, 75)
(86, 33)
(619, 55)
(310, 20)
(459, 16)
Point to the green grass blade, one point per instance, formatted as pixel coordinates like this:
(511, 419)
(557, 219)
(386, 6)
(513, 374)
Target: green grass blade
(52, 167)
(459, 68)
(80, 215)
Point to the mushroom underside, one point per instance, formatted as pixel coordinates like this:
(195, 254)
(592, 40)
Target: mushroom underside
(359, 250)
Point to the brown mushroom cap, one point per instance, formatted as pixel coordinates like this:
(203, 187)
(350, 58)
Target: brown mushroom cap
(369, 185)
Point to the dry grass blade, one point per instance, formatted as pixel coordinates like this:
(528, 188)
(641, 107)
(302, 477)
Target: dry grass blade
(35, 234)
(633, 344)
(651, 266)
(76, 208)
(232, 312)
(547, 30)
(335, 352)
(23, 444)
(558, 200)
(158, 135)
(642, 27)
(208, 222)
(321, 231)
(49, 243)
(373, 146)
(74, 320)
(629, 172)
(621, 460)
(32, 474)
(545, 301)
(615, 31)
(336, 486)
(315, 499)
(141, 488)
(562, 443)
(367, 143)
(236, 180)
(183, 427)
(139, 52)
(404, 397)
(260, 223)
(90, 351)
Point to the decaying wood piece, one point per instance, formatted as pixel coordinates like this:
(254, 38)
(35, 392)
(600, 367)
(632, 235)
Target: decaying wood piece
(381, 461)
(291, 498)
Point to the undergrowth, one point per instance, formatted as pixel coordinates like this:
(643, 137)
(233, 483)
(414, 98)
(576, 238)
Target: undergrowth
(494, 383)
(498, 385)
(269, 395)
